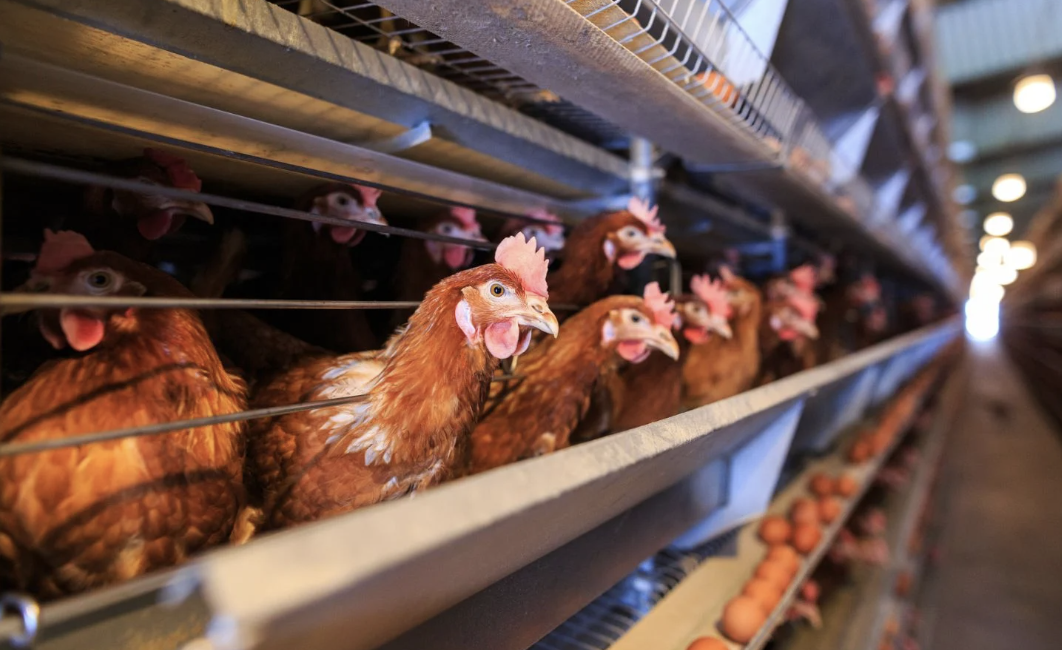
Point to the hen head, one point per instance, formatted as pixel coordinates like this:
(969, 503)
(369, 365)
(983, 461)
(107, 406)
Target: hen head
(632, 234)
(496, 300)
(742, 295)
(349, 202)
(156, 216)
(634, 328)
(67, 265)
(793, 316)
(707, 311)
(548, 231)
(456, 222)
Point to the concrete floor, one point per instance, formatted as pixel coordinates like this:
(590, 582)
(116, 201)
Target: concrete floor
(998, 582)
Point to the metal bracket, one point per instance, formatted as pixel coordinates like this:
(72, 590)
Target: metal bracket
(408, 139)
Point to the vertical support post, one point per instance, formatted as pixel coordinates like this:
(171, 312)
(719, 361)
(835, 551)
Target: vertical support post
(642, 172)
(779, 239)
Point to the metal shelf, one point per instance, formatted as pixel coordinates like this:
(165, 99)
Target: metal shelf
(373, 574)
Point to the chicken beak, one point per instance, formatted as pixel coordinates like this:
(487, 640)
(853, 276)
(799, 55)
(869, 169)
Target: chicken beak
(198, 210)
(659, 245)
(805, 327)
(720, 326)
(538, 315)
(664, 341)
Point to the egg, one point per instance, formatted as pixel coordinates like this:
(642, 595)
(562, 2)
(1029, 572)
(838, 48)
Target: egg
(822, 485)
(804, 511)
(776, 572)
(708, 643)
(846, 486)
(766, 592)
(742, 617)
(829, 509)
(775, 530)
(784, 553)
(859, 452)
(806, 537)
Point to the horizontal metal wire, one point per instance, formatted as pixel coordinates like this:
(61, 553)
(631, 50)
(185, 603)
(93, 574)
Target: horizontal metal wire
(17, 448)
(37, 446)
(20, 302)
(66, 174)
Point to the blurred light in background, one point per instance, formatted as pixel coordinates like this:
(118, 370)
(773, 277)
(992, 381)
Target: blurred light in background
(984, 242)
(964, 194)
(1003, 275)
(982, 318)
(962, 151)
(1034, 93)
(1020, 256)
(1009, 187)
(999, 224)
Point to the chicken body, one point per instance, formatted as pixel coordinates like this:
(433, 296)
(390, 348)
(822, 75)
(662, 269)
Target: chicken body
(87, 516)
(538, 415)
(425, 392)
(721, 368)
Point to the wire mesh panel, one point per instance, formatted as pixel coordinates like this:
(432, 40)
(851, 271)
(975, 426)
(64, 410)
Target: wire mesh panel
(601, 623)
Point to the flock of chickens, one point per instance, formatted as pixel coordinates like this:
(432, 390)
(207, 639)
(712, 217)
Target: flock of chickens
(436, 403)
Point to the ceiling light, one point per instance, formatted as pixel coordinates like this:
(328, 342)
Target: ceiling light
(962, 151)
(984, 287)
(997, 246)
(964, 194)
(1009, 187)
(1034, 93)
(1003, 275)
(1020, 256)
(999, 224)
(990, 260)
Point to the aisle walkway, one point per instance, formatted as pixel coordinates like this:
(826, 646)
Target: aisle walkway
(998, 584)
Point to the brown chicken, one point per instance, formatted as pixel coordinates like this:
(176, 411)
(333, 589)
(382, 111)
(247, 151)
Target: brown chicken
(723, 367)
(596, 246)
(558, 377)
(424, 263)
(317, 265)
(126, 222)
(424, 394)
(652, 390)
(86, 516)
(548, 231)
(853, 317)
(788, 330)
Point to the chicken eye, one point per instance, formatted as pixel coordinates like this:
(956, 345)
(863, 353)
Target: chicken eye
(100, 280)
(342, 200)
(630, 231)
(636, 318)
(497, 290)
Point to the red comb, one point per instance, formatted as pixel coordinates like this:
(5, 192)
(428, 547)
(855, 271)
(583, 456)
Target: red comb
(657, 301)
(640, 208)
(60, 249)
(804, 277)
(712, 293)
(369, 195)
(526, 260)
(465, 216)
(177, 170)
(554, 226)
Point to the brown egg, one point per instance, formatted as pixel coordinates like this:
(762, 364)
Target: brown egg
(775, 571)
(846, 486)
(859, 452)
(806, 537)
(742, 618)
(708, 643)
(829, 509)
(775, 530)
(766, 592)
(784, 553)
(804, 511)
(822, 485)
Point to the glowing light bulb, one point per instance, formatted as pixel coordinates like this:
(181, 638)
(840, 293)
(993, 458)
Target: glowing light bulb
(999, 224)
(1034, 93)
(1020, 256)
(1009, 187)
(997, 246)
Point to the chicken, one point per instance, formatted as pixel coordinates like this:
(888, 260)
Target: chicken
(86, 516)
(558, 377)
(124, 221)
(424, 393)
(853, 318)
(317, 265)
(596, 246)
(548, 231)
(418, 272)
(788, 330)
(652, 390)
(723, 367)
